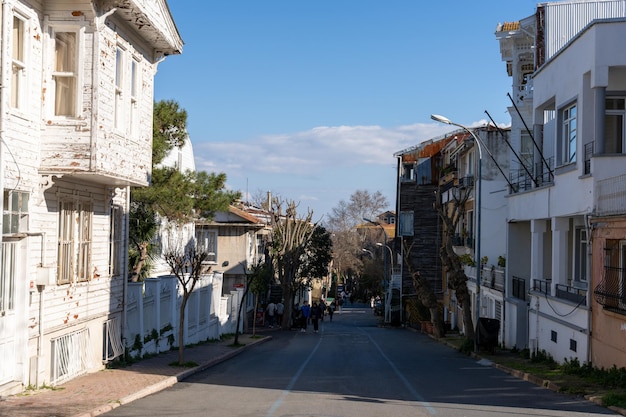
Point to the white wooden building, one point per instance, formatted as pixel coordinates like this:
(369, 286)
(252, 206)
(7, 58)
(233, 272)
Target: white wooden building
(76, 132)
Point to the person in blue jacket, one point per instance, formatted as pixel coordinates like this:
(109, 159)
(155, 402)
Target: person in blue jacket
(306, 313)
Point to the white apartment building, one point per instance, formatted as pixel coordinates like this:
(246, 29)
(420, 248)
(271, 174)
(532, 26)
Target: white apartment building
(567, 112)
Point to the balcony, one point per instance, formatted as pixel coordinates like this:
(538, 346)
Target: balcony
(573, 294)
(527, 179)
(448, 178)
(610, 292)
(106, 158)
(611, 196)
(518, 288)
(562, 291)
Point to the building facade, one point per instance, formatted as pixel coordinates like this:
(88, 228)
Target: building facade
(567, 129)
(76, 129)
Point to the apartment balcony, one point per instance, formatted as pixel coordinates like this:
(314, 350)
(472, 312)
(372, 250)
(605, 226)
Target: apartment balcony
(610, 196)
(111, 159)
(562, 291)
(526, 179)
(523, 92)
(518, 288)
(448, 179)
(610, 293)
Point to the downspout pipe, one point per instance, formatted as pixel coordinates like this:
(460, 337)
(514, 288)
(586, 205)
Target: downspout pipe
(3, 78)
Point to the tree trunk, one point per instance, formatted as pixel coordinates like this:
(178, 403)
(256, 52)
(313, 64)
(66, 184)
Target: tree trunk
(241, 302)
(181, 330)
(143, 255)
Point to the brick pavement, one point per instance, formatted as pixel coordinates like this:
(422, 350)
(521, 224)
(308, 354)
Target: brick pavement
(96, 393)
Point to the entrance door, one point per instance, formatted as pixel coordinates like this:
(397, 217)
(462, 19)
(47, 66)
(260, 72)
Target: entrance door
(8, 318)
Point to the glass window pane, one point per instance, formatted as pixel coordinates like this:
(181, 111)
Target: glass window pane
(18, 39)
(65, 51)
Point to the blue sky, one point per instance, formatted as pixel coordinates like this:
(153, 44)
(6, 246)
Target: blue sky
(309, 99)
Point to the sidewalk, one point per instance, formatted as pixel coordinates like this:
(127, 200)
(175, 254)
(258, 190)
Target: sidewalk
(96, 393)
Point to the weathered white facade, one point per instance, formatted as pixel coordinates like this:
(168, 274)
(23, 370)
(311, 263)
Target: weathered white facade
(76, 129)
(576, 119)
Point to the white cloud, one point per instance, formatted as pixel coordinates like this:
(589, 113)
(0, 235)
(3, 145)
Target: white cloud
(317, 148)
(318, 167)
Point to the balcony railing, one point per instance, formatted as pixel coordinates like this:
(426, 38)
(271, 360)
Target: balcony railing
(611, 291)
(463, 240)
(576, 295)
(518, 288)
(588, 155)
(562, 291)
(542, 285)
(522, 181)
(494, 279)
(611, 196)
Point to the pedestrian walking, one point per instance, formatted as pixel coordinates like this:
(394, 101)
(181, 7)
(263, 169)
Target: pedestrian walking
(306, 314)
(271, 311)
(331, 310)
(316, 313)
(280, 311)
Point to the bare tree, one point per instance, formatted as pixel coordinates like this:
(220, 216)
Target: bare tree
(290, 238)
(343, 222)
(187, 263)
(451, 214)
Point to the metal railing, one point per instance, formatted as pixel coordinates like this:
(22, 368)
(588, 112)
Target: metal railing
(112, 339)
(69, 356)
(588, 155)
(611, 291)
(576, 295)
(542, 285)
(518, 288)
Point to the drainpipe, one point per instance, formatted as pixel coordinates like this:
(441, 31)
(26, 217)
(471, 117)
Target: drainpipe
(40, 289)
(589, 255)
(4, 41)
(125, 267)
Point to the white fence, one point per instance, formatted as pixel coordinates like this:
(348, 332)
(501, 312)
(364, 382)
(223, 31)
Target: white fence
(153, 307)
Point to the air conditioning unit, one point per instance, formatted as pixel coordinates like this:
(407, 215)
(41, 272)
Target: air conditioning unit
(46, 276)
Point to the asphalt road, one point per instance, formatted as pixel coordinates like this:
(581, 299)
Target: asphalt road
(353, 368)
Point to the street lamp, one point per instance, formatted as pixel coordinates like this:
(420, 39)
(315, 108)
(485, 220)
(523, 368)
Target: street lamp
(477, 261)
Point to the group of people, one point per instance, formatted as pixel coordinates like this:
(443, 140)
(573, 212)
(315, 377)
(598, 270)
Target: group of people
(275, 312)
(305, 314)
(302, 315)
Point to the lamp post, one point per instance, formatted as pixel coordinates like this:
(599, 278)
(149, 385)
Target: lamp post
(477, 260)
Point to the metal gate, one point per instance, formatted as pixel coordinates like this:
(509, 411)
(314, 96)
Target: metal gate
(69, 356)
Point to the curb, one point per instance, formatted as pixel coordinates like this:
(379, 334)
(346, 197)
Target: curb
(172, 380)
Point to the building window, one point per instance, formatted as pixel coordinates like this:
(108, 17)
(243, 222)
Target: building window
(7, 276)
(15, 214)
(526, 151)
(75, 240)
(134, 97)
(573, 345)
(406, 223)
(553, 336)
(408, 172)
(115, 241)
(207, 242)
(18, 62)
(119, 86)
(580, 255)
(568, 135)
(64, 74)
(614, 125)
